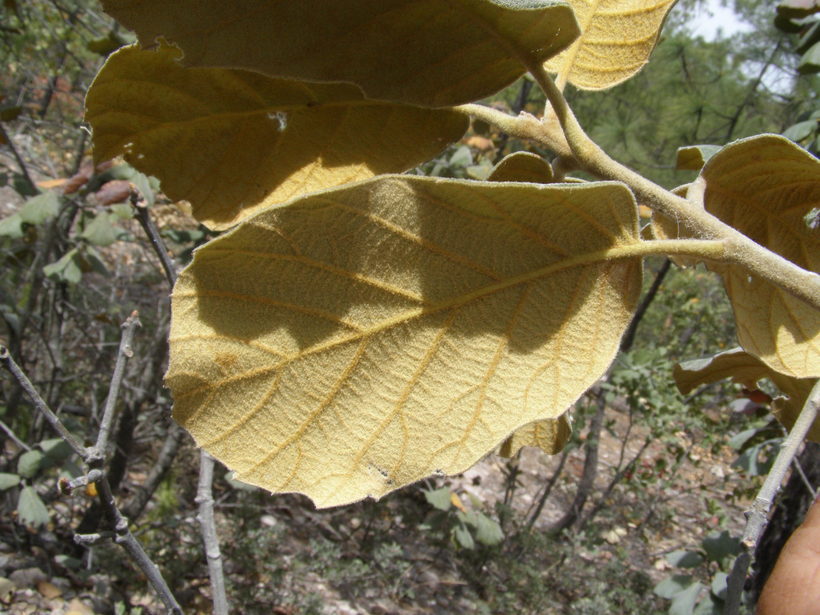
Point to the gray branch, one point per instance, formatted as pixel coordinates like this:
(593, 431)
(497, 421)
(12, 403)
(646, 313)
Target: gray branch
(205, 499)
(123, 535)
(125, 352)
(757, 517)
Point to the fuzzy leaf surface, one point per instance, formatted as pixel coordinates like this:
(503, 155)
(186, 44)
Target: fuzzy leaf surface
(362, 338)
(693, 157)
(550, 435)
(233, 142)
(522, 167)
(425, 52)
(747, 369)
(765, 187)
(616, 39)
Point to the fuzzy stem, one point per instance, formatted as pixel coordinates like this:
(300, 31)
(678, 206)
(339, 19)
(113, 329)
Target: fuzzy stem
(738, 249)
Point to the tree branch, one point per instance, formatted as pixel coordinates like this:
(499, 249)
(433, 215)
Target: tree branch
(94, 462)
(40, 404)
(758, 515)
(566, 138)
(143, 216)
(205, 499)
(125, 352)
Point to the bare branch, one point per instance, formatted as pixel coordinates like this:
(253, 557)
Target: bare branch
(124, 353)
(13, 437)
(205, 499)
(758, 515)
(96, 475)
(40, 404)
(134, 507)
(143, 216)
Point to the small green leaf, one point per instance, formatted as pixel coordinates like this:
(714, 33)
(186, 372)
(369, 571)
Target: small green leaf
(88, 259)
(487, 531)
(720, 545)
(684, 602)
(7, 481)
(462, 157)
(143, 184)
(738, 440)
(107, 44)
(66, 561)
(56, 450)
(11, 226)
(479, 171)
(440, 498)
(810, 62)
(67, 269)
(800, 131)
(30, 463)
(685, 559)
(671, 587)
(30, 508)
(100, 231)
(122, 211)
(719, 584)
(40, 208)
(463, 536)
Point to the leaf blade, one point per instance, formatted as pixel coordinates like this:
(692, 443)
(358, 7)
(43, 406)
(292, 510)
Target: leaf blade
(765, 186)
(616, 39)
(234, 142)
(424, 52)
(414, 348)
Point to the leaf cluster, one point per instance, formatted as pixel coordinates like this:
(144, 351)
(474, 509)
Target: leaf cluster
(357, 330)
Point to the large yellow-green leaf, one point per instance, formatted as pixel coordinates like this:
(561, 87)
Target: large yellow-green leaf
(765, 187)
(747, 369)
(550, 435)
(359, 339)
(233, 142)
(616, 39)
(425, 52)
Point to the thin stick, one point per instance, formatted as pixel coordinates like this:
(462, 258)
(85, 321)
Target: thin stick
(20, 162)
(143, 216)
(799, 469)
(125, 352)
(125, 538)
(120, 523)
(13, 437)
(134, 507)
(205, 499)
(757, 517)
(39, 403)
(204, 495)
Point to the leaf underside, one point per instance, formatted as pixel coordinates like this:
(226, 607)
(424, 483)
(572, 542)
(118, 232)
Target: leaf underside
(747, 369)
(426, 52)
(233, 142)
(522, 167)
(765, 186)
(617, 37)
(440, 317)
(550, 435)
